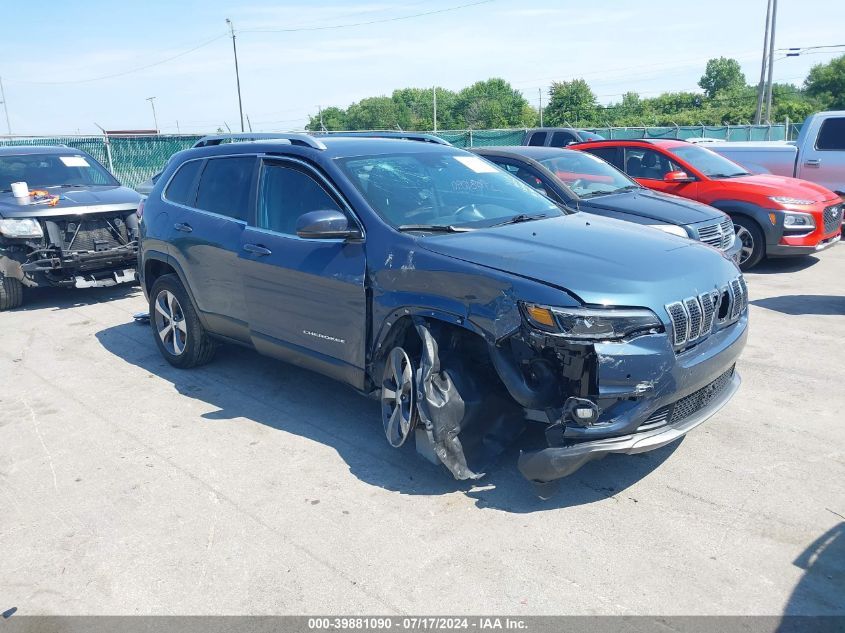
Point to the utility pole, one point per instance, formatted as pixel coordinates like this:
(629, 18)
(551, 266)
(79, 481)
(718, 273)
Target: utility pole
(434, 91)
(761, 87)
(249, 123)
(540, 92)
(5, 107)
(237, 73)
(771, 61)
(155, 118)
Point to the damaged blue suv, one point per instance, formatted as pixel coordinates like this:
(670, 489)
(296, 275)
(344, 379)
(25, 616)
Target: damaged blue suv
(468, 303)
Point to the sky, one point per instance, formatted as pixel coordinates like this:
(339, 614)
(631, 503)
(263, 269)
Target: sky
(69, 66)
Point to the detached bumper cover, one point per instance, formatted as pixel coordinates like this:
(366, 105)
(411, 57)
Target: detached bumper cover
(556, 462)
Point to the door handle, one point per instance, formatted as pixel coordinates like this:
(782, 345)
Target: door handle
(813, 162)
(257, 249)
(182, 226)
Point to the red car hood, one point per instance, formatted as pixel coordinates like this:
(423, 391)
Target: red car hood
(785, 186)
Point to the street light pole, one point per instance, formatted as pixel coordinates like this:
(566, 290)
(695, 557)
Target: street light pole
(5, 107)
(237, 73)
(540, 92)
(771, 61)
(155, 118)
(761, 87)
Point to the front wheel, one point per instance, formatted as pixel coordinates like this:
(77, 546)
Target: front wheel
(398, 397)
(11, 292)
(753, 243)
(177, 330)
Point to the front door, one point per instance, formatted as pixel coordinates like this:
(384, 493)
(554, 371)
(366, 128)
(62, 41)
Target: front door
(649, 167)
(305, 298)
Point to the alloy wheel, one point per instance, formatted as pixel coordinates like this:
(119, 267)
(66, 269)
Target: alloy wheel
(744, 236)
(170, 323)
(397, 397)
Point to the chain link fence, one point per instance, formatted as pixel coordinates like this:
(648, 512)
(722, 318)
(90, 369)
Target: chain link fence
(134, 159)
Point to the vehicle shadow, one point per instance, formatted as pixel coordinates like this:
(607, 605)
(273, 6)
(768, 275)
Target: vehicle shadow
(821, 588)
(240, 383)
(64, 298)
(778, 265)
(803, 304)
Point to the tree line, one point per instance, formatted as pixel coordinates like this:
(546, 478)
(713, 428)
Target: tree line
(726, 98)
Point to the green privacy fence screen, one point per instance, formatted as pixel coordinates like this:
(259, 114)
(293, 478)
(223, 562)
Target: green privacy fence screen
(134, 159)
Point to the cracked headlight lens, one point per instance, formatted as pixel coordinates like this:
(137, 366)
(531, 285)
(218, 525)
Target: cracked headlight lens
(24, 228)
(674, 229)
(591, 324)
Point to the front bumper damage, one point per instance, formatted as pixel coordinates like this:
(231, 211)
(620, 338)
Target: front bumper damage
(82, 269)
(559, 461)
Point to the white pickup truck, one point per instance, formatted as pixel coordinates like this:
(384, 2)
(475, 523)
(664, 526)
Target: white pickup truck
(818, 155)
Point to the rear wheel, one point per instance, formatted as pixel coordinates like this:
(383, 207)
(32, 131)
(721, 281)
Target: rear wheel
(11, 293)
(177, 330)
(753, 243)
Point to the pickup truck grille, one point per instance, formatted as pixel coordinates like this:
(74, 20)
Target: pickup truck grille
(717, 235)
(833, 218)
(688, 405)
(695, 318)
(93, 234)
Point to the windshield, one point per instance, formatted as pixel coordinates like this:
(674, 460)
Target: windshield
(587, 175)
(708, 162)
(42, 171)
(443, 190)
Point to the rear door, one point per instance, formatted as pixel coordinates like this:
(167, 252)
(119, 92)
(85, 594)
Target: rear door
(306, 297)
(207, 240)
(824, 161)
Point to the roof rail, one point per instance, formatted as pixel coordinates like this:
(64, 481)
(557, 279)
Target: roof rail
(293, 138)
(405, 136)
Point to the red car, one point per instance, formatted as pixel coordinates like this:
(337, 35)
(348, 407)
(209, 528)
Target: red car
(774, 216)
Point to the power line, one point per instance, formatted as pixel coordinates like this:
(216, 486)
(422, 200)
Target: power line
(379, 21)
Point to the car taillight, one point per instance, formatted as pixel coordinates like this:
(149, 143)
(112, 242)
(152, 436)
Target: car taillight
(140, 210)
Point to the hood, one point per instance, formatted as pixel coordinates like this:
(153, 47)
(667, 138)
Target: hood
(73, 201)
(660, 207)
(601, 261)
(771, 185)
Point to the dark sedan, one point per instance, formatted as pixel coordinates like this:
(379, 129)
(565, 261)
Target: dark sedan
(594, 186)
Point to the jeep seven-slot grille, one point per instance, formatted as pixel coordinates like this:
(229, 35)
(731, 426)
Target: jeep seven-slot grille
(718, 235)
(694, 318)
(833, 218)
(681, 409)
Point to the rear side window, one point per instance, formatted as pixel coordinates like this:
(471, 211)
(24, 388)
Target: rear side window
(287, 193)
(537, 139)
(181, 187)
(562, 139)
(832, 135)
(224, 186)
(609, 154)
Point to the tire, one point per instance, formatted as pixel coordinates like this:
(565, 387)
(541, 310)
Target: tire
(176, 328)
(11, 293)
(753, 242)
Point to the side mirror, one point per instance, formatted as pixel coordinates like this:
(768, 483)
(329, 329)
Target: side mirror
(325, 224)
(677, 176)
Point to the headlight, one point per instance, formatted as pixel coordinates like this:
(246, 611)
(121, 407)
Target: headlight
(788, 200)
(674, 229)
(21, 228)
(591, 324)
(792, 220)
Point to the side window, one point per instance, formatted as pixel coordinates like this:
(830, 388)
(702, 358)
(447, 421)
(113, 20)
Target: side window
(832, 135)
(647, 163)
(527, 176)
(562, 139)
(285, 194)
(537, 139)
(224, 186)
(181, 187)
(609, 154)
